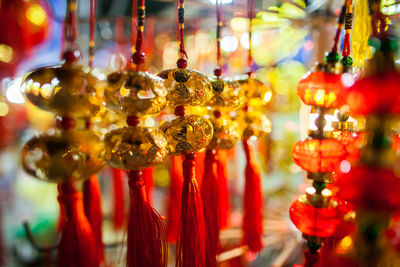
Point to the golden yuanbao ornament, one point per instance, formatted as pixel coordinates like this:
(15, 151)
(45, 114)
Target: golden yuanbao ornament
(187, 134)
(226, 133)
(62, 89)
(64, 155)
(257, 93)
(228, 94)
(134, 148)
(186, 87)
(135, 93)
(254, 124)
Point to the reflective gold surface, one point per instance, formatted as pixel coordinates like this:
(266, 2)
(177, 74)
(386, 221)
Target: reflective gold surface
(226, 133)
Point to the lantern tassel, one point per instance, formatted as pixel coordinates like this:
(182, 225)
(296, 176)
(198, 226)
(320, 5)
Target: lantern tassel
(311, 259)
(77, 247)
(147, 239)
(210, 198)
(222, 168)
(191, 243)
(92, 205)
(149, 183)
(61, 217)
(200, 157)
(174, 205)
(119, 199)
(252, 211)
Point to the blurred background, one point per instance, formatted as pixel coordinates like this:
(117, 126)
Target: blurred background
(290, 36)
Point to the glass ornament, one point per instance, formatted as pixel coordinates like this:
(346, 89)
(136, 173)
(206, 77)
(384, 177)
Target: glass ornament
(226, 133)
(64, 90)
(375, 94)
(134, 148)
(253, 124)
(186, 87)
(63, 156)
(258, 94)
(135, 93)
(313, 221)
(315, 155)
(322, 89)
(187, 134)
(228, 94)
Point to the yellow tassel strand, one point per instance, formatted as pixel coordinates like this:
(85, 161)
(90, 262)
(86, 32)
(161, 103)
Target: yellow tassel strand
(361, 33)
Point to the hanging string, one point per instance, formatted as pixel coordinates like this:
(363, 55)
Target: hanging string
(346, 60)
(70, 27)
(218, 70)
(181, 23)
(93, 7)
(339, 27)
(250, 9)
(138, 57)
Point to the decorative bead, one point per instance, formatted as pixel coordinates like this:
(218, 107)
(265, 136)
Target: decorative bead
(217, 114)
(332, 57)
(132, 120)
(180, 111)
(66, 123)
(316, 155)
(346, 61)
(182, 63)
(71, 56)
(217, 72)
(138, 58)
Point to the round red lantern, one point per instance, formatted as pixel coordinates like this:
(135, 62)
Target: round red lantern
(377, 94)
(370, 187)
(319, 155)
(313, 221)
(321, 89)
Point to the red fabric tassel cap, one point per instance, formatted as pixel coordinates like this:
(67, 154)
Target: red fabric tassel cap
(174, 202)
(148, 179)
(224, 204)
(77, 247)
(147, 239)
(252, 210)
(92, 205)
(191, 243)
(61, 218)
(119, 199)
(211, 208)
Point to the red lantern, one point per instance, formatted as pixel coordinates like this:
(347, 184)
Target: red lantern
(370, 188)
(321, 89)
(315, 155)
(377, 94)
(320, 222)
(351, 142)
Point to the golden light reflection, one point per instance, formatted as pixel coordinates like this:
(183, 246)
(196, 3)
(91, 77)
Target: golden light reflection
(36, 15)
(6, 53)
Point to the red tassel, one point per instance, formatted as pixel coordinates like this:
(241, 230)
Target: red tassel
(77, 246)
(191, 243)
(92, 205)
(174, 205)
(222, 167)
(149, 183)
(147, 239)
(210, 198)
(200, 156)
(252, 210)
(119, 199)
(311, 259)
(61, 218)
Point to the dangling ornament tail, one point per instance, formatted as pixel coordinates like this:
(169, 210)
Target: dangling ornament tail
(200, 157)
(252, 210)
(311, 259)
(147, 240)
(77, 247)
(148, 179)
(224, 204)
(174, 205)
(210, 198)
(191, 243)
(92, 205)
(119, 199)
(61, 217)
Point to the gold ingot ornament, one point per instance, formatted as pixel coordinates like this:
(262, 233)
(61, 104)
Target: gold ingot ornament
(257, 93)
(228, 94)
(226, 133)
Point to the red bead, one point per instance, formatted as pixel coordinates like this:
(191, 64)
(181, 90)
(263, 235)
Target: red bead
(321, 89)
(182, 63)
(320, 222)
(217, 114)
(65, 122)
(246, 108)
(71, 56)
(180, 111)
(132, 120)
(190, 156)
(138, 58)
(217, 72)
(370, 188)
(375, 94)
(316, 155)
